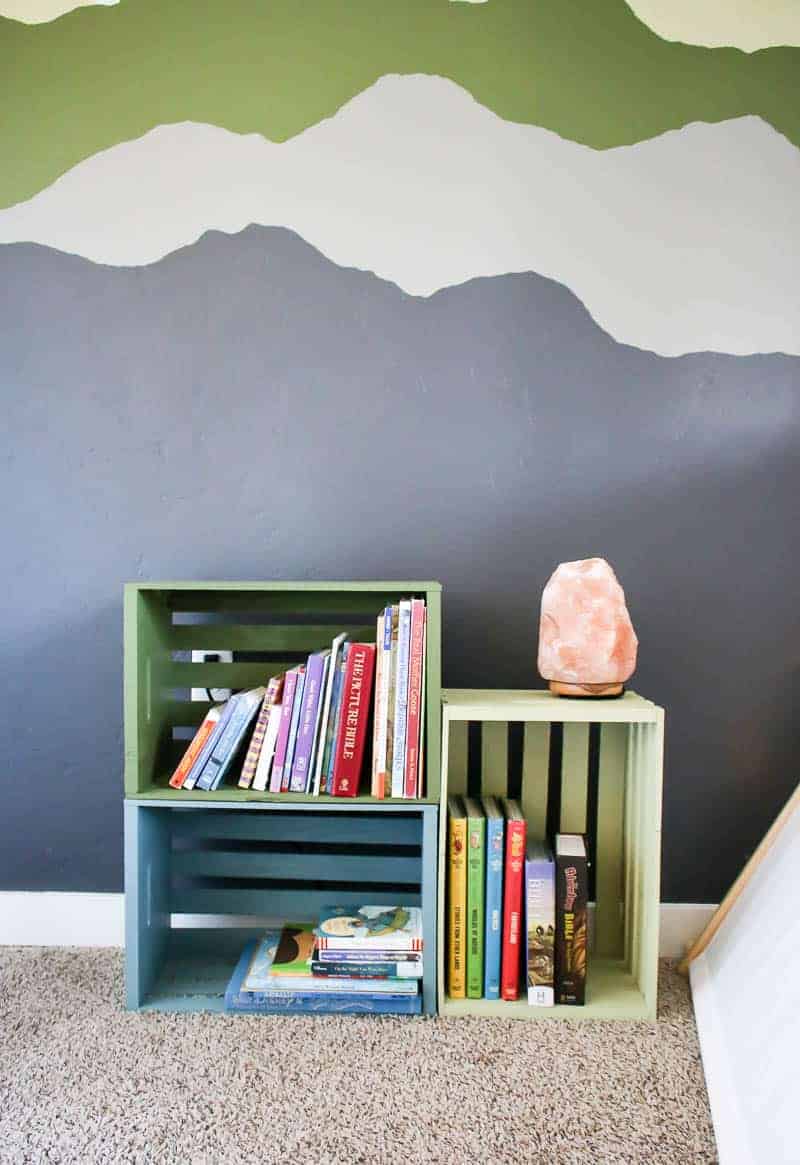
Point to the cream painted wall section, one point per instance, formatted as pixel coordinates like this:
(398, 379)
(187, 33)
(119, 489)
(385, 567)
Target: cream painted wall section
(41, 11)
(745, 24)
(674, 244)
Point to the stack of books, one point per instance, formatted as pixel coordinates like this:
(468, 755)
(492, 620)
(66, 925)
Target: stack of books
(356, 959)
(308, 730)
(516, 908)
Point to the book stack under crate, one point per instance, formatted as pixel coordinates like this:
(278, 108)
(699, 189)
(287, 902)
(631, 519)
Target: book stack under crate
(200, 858)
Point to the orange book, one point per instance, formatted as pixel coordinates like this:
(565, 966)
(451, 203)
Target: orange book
(195, 748)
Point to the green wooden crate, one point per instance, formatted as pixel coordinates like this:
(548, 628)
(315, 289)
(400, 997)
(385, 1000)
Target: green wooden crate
(579, 766)
(271, 626)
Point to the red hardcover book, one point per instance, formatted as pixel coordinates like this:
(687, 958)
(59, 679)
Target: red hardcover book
(513, 878)
(352, 735)
(416, 641)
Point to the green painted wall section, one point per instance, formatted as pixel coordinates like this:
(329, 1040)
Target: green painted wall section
(590, 71)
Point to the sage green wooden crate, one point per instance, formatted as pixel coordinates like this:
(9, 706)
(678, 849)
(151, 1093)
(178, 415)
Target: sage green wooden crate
(271, 626)
(602, 761)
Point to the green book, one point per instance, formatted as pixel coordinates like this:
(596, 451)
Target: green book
(476, 874)
(295, 948)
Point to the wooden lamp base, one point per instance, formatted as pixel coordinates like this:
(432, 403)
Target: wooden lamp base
(559, 688)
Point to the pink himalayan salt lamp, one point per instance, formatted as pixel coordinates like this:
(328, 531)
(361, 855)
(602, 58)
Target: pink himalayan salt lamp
(587, 645)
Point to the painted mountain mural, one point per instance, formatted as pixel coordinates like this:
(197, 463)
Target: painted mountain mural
(246, 408)
(390, 185)
(591, 72)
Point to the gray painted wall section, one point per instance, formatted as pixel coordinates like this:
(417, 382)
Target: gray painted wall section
(246, 409)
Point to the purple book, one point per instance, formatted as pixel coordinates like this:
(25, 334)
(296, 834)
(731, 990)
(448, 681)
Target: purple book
(308, 723)
(289, 685)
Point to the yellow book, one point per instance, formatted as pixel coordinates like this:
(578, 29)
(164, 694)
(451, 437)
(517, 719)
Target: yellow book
(456, 899)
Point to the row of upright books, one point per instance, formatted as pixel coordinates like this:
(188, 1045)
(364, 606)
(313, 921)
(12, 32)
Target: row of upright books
(516, 908)
(307, 730)
(356, 959)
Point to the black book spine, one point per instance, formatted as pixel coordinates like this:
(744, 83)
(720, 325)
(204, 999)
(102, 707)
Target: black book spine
(571, 929)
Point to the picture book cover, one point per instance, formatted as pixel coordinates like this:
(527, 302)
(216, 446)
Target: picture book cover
(476, 864)
(571, 918)
(384, 928)
(456, 898)
(295, 949)
(259, 970)
(540, 922)
(493, 906)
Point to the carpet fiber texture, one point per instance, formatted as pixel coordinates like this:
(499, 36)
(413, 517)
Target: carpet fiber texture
(82, 1080)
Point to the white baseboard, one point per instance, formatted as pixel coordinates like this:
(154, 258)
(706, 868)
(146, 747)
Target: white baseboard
(56, 919)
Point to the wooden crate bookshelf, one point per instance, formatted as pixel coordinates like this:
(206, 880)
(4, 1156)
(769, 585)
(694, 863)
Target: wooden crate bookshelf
(269, 627)
(200, 880)
(583, 766)
(196, 862)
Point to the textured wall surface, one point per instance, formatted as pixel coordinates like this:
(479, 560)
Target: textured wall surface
(487, 320)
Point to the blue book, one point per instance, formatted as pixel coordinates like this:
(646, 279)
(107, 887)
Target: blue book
(198, 766)
(269, 1002)
(493, 932)
(215, 768)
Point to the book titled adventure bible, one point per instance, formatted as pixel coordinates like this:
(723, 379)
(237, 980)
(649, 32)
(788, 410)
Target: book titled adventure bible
(513, 877)
(571, 925)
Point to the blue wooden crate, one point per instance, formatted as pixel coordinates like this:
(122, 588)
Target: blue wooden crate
(202, 880)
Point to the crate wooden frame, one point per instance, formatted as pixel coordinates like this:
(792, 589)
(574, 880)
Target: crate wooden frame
(201, 880)
(622, 979)
(302, 617)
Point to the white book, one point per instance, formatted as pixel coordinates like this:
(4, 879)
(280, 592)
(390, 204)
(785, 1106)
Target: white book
(267, 749)
(423, 702)
(401, 700)
(383, 660)
(322, 725)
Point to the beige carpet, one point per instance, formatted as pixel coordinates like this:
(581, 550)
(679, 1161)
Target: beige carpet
(81, 1080)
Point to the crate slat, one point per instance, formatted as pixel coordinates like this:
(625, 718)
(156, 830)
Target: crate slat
(457, 757)
(574, 778)
(341, 828)
(494, 759)
(535, 760)
(307, 866)
(222, 675)
(252, 637)
(292, 905)
(609, 861)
